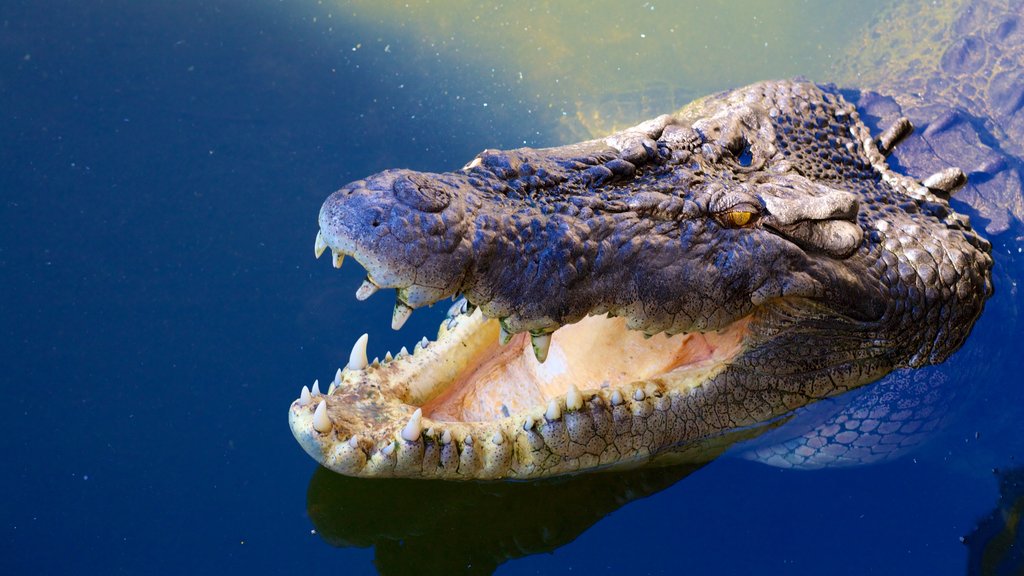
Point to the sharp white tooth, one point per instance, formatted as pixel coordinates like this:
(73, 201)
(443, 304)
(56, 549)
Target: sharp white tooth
(353, 442)
(320, 420)
(403, 352)
(366, 289)
(388, 450)
(616, 397)
(468, 440)
(528, 425)
(339, 257)
(316, 388)
(424, 342)
(639, 395)
(554, 411)
(414, 427)
(304, 397)
(400, 315)
(573, 398)
(376, 362)
(458, 308)
(446, 437)
(541, 344)
(330, 389)
(357, 359)
(503, 336)
(498, 438)
(320, 245)
(388, 357)
(337, 377)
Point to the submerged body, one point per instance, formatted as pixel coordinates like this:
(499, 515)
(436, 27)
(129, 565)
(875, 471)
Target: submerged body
(757, 237)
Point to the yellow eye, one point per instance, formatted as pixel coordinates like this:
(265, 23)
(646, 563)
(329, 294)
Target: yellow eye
(737, 218)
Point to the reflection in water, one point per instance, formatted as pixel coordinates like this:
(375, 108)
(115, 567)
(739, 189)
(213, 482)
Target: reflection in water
(444, 527)
(436, 527)
(996, 546)
(872, 424)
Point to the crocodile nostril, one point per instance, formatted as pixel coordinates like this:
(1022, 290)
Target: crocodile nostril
(420, 192)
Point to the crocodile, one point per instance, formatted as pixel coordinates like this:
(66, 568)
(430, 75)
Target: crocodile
(620, 298)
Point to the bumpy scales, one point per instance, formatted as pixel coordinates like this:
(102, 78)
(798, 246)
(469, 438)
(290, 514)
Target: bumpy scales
(758, 235)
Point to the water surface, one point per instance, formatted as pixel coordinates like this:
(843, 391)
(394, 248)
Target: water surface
(161, 170)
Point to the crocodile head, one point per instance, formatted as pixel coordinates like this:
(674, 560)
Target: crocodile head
(626, 297)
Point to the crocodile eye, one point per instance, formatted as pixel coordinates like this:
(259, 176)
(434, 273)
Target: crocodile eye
(737, 218)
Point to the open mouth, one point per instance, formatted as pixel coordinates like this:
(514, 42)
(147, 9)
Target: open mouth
(597, 354)
(641, 295)
(479, 403)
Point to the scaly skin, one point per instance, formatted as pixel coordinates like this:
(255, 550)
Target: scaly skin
(956, 69)
(769, 211)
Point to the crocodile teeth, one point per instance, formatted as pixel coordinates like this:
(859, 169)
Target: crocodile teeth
(330, 389)
(320, 420)
(357, 359)
(388, 450)
(315, 391)
(459, 307)
(573, 398)
(446, 437)
(320, 245)
(337, 377)
(388, 357)
(339, 257)
(304, 397)
(528, 424)
(353, 442)
(616, 398)
(414, 427)
(553, 412)
(468, 441)
(400, 315)
(639, 395)
(541, 344)
(366, 289)
(497, 438)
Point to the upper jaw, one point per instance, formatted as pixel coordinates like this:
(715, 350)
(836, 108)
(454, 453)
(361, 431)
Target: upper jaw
(406, 238)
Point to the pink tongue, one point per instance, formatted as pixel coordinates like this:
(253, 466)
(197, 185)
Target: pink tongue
(595, 352)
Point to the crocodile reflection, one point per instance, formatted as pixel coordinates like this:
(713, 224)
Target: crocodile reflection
(996, 545)
(437, 527)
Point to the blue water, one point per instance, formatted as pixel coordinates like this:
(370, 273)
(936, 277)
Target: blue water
(161, 168)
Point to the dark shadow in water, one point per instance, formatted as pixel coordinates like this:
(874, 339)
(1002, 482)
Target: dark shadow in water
(996, 546)
(445, 527)
(437, 527)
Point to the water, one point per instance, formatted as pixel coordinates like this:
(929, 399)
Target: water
(161, 169)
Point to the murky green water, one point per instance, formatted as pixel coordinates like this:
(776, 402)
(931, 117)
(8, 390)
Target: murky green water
(592, 66)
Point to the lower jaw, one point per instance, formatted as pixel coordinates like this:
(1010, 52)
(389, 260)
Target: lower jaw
(466, 408)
